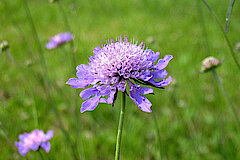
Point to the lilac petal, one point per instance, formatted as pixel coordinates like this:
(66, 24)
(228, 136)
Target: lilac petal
(110, 98)
(77, 83)
(152, 56)
(67, 37)
(162, 63)
(17, 144)
(145, 90)
(35, 146)
(162, 83)
(145, 76)
(82, 70)
(90, 104)
(85, 94)
(49, 135)
(51, 45)
(104, 90)
(142, 102)
(46, 146)
(62, 38)
(22, 136)
(58, 40)
(23, 151)
(159, 74)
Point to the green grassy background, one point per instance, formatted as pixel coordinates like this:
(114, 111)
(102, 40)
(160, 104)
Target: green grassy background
(193, 116)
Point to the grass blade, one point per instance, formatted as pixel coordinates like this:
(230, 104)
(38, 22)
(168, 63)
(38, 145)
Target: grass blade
(231, 4)
(222, 30)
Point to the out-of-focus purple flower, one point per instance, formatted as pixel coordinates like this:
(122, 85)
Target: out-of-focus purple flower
(33, 141)
(116, 64)
(59, 39)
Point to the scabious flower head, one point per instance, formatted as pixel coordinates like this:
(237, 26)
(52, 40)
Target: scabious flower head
(33, 141)
(116, 64)
(59, 39)
(209, 63)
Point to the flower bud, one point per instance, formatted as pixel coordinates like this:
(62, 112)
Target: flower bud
(3, 46)
(52, 1)
(28, 63)
(150, 40)
(209, 63)
(237, 46)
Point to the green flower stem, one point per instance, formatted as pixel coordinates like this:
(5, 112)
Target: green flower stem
(40, 154)
(222, 30)
(215, 75)
(49, 85)
(35, 113)
(120, 127)
(66, 22)
(158, 135)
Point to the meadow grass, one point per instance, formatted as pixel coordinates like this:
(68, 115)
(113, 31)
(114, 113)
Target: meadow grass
(193, 117)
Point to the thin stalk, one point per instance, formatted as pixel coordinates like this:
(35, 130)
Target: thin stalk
(66, 22)
(215, 75)
(12, 17)
(231, 4)
(203, 27)
(40, 154)
(9, 142)
(35, 112)
(207, 52)
(29, 16)
(120, 127)
(48, 81)
(74, 64)
(76, 113)
(222, 30)
(158, 135)
(188, 127)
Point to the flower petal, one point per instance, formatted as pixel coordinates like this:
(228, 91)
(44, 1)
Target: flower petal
(82, 70)
(49, 135)
(34, 146)
(46, 146)
(77, 83)
(152, 56)
(90, 104)
(51, 45)
(59, 39)
(162, 63)
(22, 136)
(85, 94)
(159, 74)
(142, 102)
(145, 90)
(145, 75)
(162, 83)
(110, 98)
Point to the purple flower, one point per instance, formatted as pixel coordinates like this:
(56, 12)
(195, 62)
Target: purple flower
(116, 64)
(59, 39)
(33, 141)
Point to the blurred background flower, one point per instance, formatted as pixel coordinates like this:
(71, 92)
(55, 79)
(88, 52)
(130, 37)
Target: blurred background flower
(34, 141)
(59, 40)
